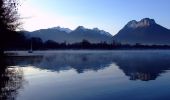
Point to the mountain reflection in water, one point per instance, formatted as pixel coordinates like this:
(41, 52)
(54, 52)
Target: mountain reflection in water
(137, 65)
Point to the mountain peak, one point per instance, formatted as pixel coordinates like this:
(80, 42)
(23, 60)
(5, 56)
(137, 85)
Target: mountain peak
(96, 29)
(145, 31)
(132, 24)
(146, 22)
(80, 28)
(102, 31)
(151, 21)
(67, 30)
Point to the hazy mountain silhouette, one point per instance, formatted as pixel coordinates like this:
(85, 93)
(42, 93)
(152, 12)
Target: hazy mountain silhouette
(146, 31)
(59, 35)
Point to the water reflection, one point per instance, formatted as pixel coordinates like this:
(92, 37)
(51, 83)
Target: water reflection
(144, 66)
(137, 65)
(11, 80)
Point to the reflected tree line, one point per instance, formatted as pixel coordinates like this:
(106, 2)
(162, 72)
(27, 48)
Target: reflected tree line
(11, 80)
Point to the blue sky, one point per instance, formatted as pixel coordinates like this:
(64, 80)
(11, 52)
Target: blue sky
(108, 15)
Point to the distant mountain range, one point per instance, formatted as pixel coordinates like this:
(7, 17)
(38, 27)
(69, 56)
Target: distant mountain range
(60, 35)
(146, 31)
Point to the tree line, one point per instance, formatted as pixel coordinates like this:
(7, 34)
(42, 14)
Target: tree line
(20, 42)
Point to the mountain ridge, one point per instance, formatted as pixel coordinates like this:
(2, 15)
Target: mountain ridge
(145, 31)
(81, 33)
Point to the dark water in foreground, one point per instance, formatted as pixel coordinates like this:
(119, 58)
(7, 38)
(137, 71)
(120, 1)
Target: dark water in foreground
(88, 75)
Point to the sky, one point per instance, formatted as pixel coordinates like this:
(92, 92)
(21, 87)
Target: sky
(108, 15)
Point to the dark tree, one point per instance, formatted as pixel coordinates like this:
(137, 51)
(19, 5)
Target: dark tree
(9, 21)
(37, 43)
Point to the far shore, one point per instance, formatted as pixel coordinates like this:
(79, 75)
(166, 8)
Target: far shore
(44, 52)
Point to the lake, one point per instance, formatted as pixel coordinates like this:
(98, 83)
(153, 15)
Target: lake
(88, 75)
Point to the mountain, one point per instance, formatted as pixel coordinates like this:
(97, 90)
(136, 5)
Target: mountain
(67, 30)
(93, 35)
(59, 34)
(55, 34)
(146, 31)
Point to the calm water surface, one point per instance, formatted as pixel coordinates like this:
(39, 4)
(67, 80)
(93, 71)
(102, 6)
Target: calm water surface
(88, 75)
